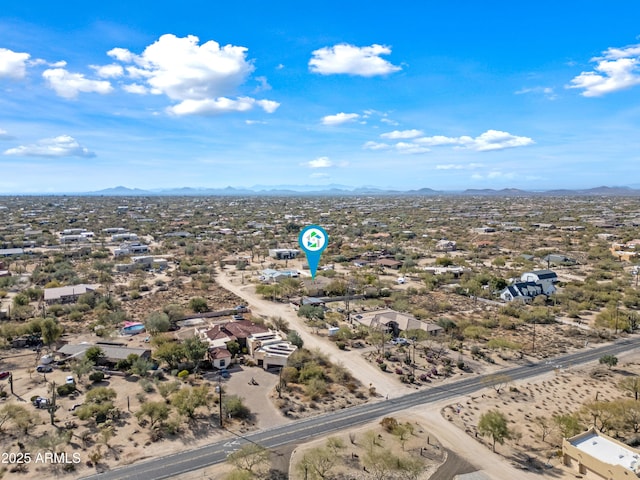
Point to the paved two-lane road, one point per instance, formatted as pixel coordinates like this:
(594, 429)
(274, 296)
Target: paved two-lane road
(301, 430)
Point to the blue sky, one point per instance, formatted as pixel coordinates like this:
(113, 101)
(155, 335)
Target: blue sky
(404, 94)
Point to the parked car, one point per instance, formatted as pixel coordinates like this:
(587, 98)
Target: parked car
(44, 368)
(224, 373)
(400, 341)
(70, 380)
(46, 359)
(41, 402)
(4, 375)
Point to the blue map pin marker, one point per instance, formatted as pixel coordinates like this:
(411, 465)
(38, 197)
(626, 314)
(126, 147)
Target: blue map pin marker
(313, 240)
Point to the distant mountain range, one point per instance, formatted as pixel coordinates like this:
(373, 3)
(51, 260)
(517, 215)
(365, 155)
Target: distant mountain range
(337, 190)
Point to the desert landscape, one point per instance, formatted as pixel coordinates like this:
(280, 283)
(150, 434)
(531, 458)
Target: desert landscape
(166, 394)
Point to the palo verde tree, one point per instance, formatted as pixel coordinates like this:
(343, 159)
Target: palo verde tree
(494, 424)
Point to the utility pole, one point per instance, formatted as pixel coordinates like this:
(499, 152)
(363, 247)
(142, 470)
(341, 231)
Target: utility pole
(534, 335)
(219, 391)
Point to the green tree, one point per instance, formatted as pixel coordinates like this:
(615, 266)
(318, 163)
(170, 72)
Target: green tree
(294, 338)
(98, 404)
(187, 400)
(251, 458)
(608, 360)
(50, 330)
(317, 463)
(195, 350)
(233, 347)
(21, 300)
(494, 424)
(170, 352)
(82, 367)
(198, 305)
(155, 412)
(94, 354)
(631, 384)
(19, 415)
(168, 388)
(157, 322)
(174, 312)
(311, 312)
(140, 366)
(568, 424)
(234, 406)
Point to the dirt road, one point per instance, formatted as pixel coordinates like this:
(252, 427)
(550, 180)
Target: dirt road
(367, 373)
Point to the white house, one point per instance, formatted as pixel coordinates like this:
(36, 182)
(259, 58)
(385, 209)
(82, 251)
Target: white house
(545, 278)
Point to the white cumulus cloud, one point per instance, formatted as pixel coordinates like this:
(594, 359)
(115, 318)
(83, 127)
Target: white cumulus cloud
(201, 78)
(135, 88)
(349, 59)
(616, 69)
(61, 146)
(13, 64)
(339, 118)
(398, 134)
(489, 140)
(320, 162)
(69, 85)
(410, 148)
(214, 106)
(109, 71)
(497, 140)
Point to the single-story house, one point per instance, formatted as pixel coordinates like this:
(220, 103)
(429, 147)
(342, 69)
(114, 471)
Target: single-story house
(593, 453)
(271, 275)
(395, 322)
(283, 253)
(389, 263)
(11, 252)
(316, 286)
(559, 259)
(112, 352)
(119, 237)
(237, 330)
(445, 245)
(68, 294)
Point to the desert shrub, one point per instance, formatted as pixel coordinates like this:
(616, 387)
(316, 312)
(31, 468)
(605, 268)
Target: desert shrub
(66, 389)
(234, 406)
(316, 388)
(389, 424)
(96, 376)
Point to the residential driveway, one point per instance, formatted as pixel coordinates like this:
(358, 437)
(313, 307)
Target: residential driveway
(256, 397)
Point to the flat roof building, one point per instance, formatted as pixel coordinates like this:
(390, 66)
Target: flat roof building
(594, 452)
